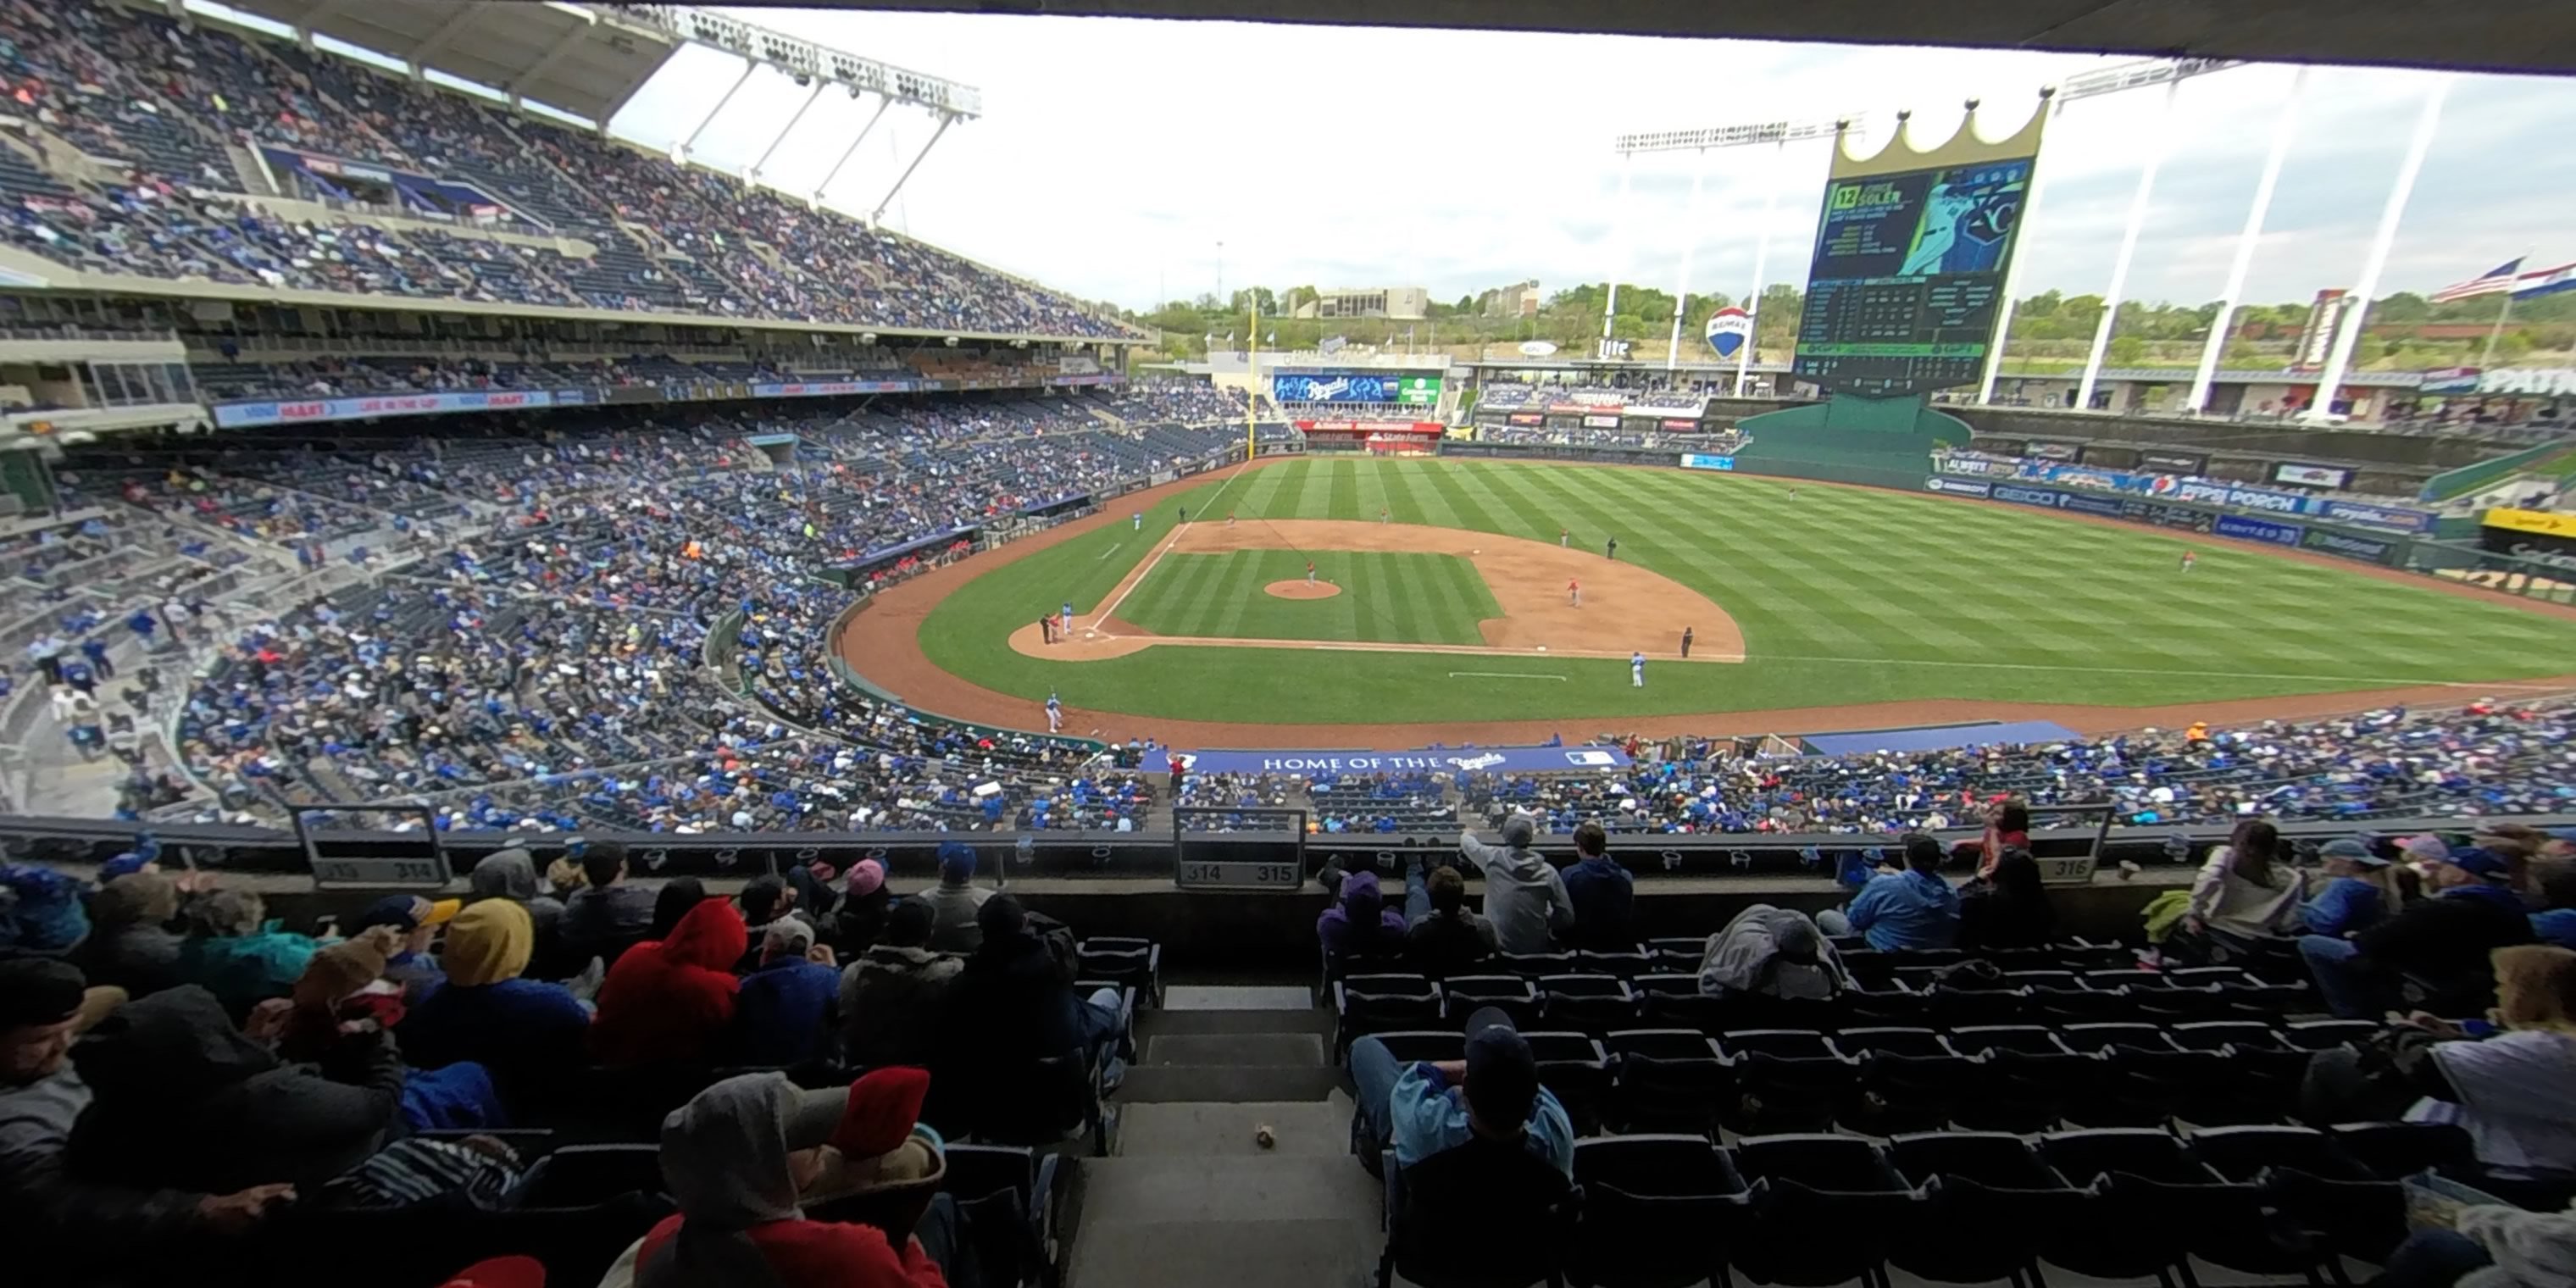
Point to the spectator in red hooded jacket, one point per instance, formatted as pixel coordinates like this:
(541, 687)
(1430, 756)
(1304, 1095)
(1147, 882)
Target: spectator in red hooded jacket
(672, 1000)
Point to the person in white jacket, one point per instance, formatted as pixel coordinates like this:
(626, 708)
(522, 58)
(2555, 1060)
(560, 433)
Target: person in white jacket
(1524, 897)
(2491, 1246)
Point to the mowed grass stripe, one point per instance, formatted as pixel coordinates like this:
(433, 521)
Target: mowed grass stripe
(1844, 596)
(1386, 597)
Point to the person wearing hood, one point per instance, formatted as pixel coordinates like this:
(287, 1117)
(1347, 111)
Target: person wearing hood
(1524, 897)
(185, 1101)
(1359, 922)
(525, 1031)
(238, 954)
(2443, 940)
(1775, 952)
(671, 1000)
(739, 1158)
(1603, 893)
(45, 1211)
(1015, 1003)
(512, 874)
(783, 1015)
(861, 916)
(894, 999)
(345, 996)
(955, 900)
(131, 945)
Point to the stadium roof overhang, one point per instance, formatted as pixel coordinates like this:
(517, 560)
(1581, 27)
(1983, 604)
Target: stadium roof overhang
(587, 59)
(2483, 35)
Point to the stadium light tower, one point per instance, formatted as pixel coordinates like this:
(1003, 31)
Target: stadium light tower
(1779, 134)
(2167, 72)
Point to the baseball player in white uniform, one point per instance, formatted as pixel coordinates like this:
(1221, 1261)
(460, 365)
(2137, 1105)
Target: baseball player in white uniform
(1636, 670)
(1067, 617)
(1055, 714)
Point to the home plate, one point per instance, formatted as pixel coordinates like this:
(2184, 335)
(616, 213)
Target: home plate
(1091, 635)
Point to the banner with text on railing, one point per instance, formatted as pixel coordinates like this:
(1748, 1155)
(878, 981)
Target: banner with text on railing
(1433, 760)
(252, 413)
(2172, 487)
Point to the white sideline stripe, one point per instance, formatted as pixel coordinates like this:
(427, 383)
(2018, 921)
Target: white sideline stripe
(1112, 610)
(1504, 675)
(2380, 680)
(1113, 549)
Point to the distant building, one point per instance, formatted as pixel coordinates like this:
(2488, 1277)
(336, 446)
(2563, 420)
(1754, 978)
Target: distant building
(1520, 300)
(1402, 303)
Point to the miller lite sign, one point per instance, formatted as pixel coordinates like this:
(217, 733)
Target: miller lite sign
(1729, 330)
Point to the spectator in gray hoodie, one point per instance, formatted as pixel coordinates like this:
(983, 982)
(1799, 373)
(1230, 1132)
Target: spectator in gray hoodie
(1524, 896)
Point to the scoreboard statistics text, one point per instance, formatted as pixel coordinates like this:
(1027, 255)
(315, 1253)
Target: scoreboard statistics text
(1907, 276)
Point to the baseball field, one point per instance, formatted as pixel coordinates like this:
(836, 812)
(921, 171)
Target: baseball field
(1477, 598)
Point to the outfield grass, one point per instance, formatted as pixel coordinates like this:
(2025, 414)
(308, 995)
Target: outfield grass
(1386, 598)
(1844, 595)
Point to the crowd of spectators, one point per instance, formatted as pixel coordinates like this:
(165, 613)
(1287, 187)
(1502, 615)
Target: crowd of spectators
(177, 1070)
(133, 87)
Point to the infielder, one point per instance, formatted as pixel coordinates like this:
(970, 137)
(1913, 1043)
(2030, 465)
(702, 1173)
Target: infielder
(1055, 714)
(1686, 641)
(1574, 592)
(1068, 619)
(1611, 551)
(1636, 670)
(1382, 516)
(1138, 519)
(1563, 538)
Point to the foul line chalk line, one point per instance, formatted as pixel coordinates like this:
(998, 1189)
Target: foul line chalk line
(1112, 610)
(1503, 675)
(1113, 549)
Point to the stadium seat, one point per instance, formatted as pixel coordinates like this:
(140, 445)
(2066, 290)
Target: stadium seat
(1575, 1067)
(1627, 964)
(1131, 963)
(2146, 1197)
(1464, 995)
(1592, 1003)
(1534, 965)
(2329, 1197)
(1988, 1196)
(1006, 1197)
(1674, 1001)
(1679, 955)
(2030, 1075)
(1909, 1080)
(1659, 1211)
(2325, 1035)
(1667, 1080)
(1786, 1080)
(1365, 1004)
(1487, 1214)
(1826, 1209)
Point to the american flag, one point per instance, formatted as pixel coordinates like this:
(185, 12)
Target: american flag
(2494, 281)
(2546, 281)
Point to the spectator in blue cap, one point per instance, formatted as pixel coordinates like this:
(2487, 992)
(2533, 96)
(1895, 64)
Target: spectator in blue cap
(2361, 888)
(41, 909)
(2440, 943)
(1431, 1106)
(955, 901)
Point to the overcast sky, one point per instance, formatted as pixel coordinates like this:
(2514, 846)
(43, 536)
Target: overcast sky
(1113, 155)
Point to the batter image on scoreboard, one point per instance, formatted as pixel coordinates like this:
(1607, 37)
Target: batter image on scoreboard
(1967, 217)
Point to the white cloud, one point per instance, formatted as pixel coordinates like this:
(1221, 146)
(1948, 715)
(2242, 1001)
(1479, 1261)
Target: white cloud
(1114, 155)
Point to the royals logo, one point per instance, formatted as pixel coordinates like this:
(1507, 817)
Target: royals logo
(1729, 330)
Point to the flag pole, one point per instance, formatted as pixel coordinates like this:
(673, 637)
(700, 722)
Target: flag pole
(2496, 332)
(1252, 405)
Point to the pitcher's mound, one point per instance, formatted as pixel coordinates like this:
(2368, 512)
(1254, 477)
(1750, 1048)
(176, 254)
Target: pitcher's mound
(1300, 588)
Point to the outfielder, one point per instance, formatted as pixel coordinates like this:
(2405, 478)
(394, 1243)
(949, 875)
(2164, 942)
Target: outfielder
(1574, 592)
(1636, 670)
(1138, 519)
(1563, 538)
(2189, 557)
(1611, 550)
(1055, 714)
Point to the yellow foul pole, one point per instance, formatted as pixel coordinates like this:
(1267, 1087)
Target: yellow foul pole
(1252, 346)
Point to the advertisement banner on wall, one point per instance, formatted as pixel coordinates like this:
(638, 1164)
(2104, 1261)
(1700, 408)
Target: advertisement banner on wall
(2336, 543)
(2045, 498)
(2166, 516)
(1971, 465)
(2264, 530)
(2078, 503)
(1958, 487)
(2054, 451)
(1680, 426)
(1470, 760)
(2393, 518)
(2238, 496)
(1529, 418)
(1704, 461)
(2174, 462)
(246, 414)
(1601, 422)
(2310, 475)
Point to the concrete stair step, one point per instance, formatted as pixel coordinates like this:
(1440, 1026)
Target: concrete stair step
(1159, 1023)
(1225, 1083)
(1303, 1129)
(1298, 1050)
(1133, 1190)
(1237, 997)
(1235, 1254)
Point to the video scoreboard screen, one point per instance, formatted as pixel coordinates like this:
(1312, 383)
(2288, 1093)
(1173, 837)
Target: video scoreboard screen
(1907, 276)
(1357, 387)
